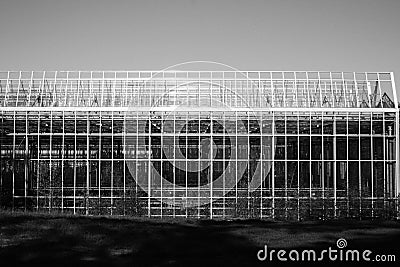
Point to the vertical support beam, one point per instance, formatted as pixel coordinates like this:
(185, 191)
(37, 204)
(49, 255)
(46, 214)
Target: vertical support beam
(124, 149)
(63, 150)
(137, 201)
(372, 157)
(75, 163)
(26, 160)
(211, 160)
(397, 171)
(310, 160)
(322, 179)
(259, 120)
(161, 162)
(1, 160)
(112, 159)
(385, 159)
(335, 166)
(186, 159)
(199, 159)
(286, 163)
(249, 200)
(298, 166)
(397, 128)
(38, 161)
(359, 168)
(99, 202)
(236, 159)
(50, 163)
(223, 164)
(149, 169)
(174, 164)
(273, 164)
(87, 193)
(13, 163)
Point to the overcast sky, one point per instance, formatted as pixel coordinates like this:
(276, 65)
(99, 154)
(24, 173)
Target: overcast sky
(335, 35)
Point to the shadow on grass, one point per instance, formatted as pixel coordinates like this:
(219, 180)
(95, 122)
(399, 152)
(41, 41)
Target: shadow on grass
(100, 241)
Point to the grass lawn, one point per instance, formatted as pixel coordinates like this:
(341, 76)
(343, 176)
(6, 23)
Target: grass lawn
(60, 240)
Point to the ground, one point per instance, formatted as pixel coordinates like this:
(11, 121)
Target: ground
(60, 240)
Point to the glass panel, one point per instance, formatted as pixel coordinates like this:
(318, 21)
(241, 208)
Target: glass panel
(365, 148)
(353, 148)
(292, 147)
(341, 148)
(316, 147)
(328, 148)
(279, 148)
(304, 143)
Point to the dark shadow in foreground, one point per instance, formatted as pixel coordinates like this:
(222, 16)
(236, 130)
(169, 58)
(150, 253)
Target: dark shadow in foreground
(51, 240)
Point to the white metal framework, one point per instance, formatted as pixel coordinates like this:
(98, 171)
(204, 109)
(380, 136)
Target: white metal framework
(200, 143)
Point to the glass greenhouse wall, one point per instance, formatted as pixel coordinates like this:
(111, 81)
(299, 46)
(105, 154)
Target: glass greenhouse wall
(285, 145)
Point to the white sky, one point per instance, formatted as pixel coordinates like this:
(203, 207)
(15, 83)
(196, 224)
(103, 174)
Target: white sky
(334, 35)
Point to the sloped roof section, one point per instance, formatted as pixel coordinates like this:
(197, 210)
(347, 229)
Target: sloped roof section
(254, 89)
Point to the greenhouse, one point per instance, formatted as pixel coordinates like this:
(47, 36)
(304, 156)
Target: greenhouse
(213, 144)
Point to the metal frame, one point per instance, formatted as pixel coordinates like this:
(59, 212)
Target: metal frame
(95, 151)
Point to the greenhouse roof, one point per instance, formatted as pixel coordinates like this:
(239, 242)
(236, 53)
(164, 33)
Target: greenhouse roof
(254, 89)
